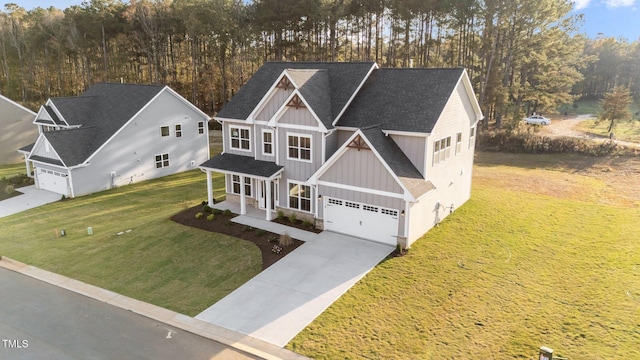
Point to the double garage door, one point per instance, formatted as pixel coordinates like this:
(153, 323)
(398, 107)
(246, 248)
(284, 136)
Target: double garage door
(361, 220)
(52, 181)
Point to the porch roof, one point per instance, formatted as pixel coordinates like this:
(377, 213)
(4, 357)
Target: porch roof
(238, 164)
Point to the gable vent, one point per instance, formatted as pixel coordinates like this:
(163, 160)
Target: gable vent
(358, 143)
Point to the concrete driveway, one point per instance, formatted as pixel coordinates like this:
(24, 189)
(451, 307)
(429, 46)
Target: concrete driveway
(283, 299)
(30, 198)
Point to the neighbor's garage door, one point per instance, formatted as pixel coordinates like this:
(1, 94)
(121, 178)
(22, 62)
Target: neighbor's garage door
(52, 181)
(361, 220)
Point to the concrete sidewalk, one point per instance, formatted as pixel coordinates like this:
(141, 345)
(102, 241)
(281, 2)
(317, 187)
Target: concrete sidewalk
(238, 341)
(30, 198)
(282, 300)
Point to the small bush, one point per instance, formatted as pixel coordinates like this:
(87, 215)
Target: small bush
(199, 215)
(272, 239)
(293, 218)
(216, 211)
(9, 189)
(307, 223)
(227, 212)
(207, 209)
(285, 240)
(260, 232)
(204, 202)
(280, 214)
(247, 228)
(210, 217)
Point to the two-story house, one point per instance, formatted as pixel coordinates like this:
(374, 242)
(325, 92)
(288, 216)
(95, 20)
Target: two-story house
(381, 154)
(115, 134)
(17, 129)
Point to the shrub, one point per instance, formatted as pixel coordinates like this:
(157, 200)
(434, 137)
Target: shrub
(280, 214)
(9, 189)
(307, 223)
(260, 232)
(206, 209)
(247, 228)
(199, 215)
(204, 202)
(285, 240)
(227, 212)
(272, 239)
(293, 218)
(216, 211)
(210, 217)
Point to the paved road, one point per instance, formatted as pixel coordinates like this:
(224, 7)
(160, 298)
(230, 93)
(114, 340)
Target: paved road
(42, 321)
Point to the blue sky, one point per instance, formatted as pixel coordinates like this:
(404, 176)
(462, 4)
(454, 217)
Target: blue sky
(611, 18)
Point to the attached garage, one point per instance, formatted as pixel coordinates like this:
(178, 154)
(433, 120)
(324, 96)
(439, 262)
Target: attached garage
(362, 220)
(53, 181)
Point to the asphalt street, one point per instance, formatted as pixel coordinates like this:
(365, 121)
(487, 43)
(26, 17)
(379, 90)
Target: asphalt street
(42, 321)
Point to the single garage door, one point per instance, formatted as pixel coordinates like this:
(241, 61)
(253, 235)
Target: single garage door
(361, 220)
(53, 181)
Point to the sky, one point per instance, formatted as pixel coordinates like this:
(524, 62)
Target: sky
(608, 18)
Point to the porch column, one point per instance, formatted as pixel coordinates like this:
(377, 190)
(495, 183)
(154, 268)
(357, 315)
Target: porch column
(26, 159)
(209, 188)
(267, 199)
(243, 201)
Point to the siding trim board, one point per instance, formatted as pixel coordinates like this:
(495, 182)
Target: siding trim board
(267, 96)
(360, 189)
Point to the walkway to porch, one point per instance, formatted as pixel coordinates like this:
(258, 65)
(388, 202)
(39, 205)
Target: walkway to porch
(256, 218)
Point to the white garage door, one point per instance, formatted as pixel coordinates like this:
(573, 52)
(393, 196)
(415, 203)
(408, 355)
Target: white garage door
(361, 220)
(52, 181)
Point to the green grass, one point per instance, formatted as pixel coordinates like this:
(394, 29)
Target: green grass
(624, 130)
(7, 171)
(508, 272)
(158, 261)
(592, 106)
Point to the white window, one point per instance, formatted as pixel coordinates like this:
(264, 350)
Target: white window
(178, 130)
(458, 143)
(162, 161)
(235, 185)
(164, 131)
(299, 196)
(200, 127)
(299, 147)
(441, 150)
(472, 134)
(267, 142)
(240, 138)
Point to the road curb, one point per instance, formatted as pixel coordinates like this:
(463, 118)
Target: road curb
(227, 337)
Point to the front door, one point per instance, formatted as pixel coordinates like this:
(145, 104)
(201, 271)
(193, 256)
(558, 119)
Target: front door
(263, 194)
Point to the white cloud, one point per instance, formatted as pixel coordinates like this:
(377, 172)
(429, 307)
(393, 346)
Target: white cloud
(581, 4)
(619, 3)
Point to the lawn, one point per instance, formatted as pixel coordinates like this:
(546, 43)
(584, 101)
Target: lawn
(541, 255)
(591, 106)
(7, 171)
(624, 130)
(157, 261)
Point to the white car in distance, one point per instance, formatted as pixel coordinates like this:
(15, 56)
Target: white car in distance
(537, 120)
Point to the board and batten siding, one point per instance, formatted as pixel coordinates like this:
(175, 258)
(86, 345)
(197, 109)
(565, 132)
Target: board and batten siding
(41, 150)
(131, 154)
(362, 169)
(274, 103)
(259, 140)
(226, 139)
(301, 116)
(414, 148)
(331, 144)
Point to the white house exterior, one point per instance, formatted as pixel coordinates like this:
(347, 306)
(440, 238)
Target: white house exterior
(17, 129)
(114, 135)
(381, 154)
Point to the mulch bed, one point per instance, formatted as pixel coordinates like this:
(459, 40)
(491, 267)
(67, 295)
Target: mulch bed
(222, 224)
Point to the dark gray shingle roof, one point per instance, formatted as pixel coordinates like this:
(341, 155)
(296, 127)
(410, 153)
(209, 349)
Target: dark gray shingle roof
(242, 165)
(402, 99)
(343, 78)
(101, 111)
(315, 89)
(398, 162)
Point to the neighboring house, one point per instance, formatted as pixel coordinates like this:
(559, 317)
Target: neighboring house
(17, 130)
(381, 154)
(113, 135)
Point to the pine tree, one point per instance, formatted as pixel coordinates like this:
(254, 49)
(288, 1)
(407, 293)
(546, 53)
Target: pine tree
(616, 106)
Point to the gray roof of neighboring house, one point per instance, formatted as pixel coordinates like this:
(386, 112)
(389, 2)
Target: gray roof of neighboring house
(242, 165)
(343, 81)
(398, 161)
(402, 99)
(101, 111)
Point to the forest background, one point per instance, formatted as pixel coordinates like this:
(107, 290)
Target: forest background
(522, 56)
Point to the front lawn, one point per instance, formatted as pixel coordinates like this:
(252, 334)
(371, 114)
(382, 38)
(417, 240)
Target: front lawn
(157, 261)
(542, 255)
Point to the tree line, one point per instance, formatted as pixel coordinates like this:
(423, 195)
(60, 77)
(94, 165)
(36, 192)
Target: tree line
(522, 56)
